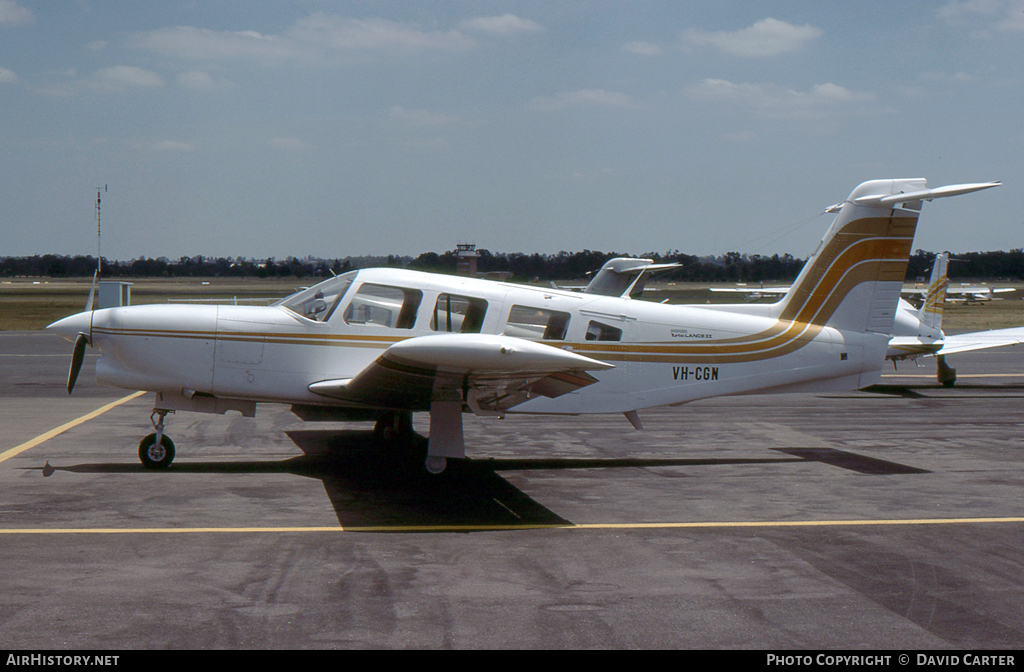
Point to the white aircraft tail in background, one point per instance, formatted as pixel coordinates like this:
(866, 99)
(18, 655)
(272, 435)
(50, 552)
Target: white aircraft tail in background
(930, 312)
(918, 332)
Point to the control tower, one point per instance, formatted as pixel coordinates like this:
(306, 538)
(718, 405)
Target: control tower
(466, 259)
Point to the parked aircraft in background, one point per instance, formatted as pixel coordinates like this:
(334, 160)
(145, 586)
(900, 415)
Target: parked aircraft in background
(961, 293)
(381, 344)
(964, 293)
(752, 293)
(624, 277)
(918, 331)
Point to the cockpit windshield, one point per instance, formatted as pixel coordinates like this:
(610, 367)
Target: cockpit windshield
(319, 301)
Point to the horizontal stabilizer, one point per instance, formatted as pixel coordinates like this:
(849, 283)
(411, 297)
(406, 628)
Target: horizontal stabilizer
(923, 194)
(981, 340)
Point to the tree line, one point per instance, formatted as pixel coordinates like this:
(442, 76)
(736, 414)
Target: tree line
(729, 267)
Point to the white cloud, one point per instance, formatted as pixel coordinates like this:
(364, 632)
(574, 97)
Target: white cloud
(774, 101)
(98, 45)
(200, 80)
(583, 98)
(7, 76)
(115, 79)
(346, 34)
(120, 76)
(288, 144)
(13, 14)
(767, 37)
(174, 146)
(981, 15)
(956, 11)
(311, 37)
(421, 117)
(203, 44)
(501, 25)
(642, 48)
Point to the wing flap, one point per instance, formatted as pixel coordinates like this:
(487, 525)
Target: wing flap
(491, 373)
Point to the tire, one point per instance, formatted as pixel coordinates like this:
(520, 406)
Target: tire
(153, 456)
(393, 428)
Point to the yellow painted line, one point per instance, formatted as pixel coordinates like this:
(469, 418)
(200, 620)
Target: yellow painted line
(17, 450)
(503, 528)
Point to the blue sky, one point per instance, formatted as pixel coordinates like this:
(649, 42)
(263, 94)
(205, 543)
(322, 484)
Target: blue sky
(271, 128)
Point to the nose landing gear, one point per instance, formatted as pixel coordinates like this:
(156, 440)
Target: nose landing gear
(156, 450)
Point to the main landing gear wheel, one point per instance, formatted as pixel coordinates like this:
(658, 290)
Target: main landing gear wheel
(435, 464)
(945, 374)
(155, 456)
(393, 428)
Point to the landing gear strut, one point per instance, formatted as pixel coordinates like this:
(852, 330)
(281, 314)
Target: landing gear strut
(945, 373)
(394, 430)
(156, 450)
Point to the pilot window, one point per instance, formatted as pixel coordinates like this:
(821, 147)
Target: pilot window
(319, 301)
(598, 331)
(458, 314)
(384, 306)
(539, 323)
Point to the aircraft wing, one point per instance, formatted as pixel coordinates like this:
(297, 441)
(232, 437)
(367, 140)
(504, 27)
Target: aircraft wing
(490, 373)
(980, 340)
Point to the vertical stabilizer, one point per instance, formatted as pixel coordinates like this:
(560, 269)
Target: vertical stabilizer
(853, 281)
(930, 312)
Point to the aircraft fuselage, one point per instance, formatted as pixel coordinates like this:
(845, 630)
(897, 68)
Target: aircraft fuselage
(662, 354)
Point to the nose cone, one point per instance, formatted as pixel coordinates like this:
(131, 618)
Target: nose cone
(70, 327)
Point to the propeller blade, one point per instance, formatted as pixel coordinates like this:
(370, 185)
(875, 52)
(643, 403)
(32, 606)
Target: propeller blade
(92, 292)
(76, 360)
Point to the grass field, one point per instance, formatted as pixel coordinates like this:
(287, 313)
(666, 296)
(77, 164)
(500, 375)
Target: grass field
(32, 303)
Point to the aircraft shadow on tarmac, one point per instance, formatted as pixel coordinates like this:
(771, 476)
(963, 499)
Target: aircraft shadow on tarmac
(972, 390)
(371, 486)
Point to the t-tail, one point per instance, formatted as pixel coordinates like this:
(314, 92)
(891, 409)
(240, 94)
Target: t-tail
(930, 312)
(853, 280)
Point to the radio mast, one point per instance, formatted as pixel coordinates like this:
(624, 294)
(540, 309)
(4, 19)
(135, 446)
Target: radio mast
(99, 256)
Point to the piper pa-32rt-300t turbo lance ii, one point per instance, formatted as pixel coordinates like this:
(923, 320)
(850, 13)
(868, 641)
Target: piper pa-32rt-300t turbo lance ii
(381, 344)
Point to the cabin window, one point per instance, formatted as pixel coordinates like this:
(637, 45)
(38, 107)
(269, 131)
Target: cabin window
(460, 314)
(537, 323)
(384, 306)
(319, 301)
(598, 331)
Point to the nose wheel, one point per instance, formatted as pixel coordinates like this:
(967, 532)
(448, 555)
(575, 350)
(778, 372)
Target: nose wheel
(156, 450)
(156, 455)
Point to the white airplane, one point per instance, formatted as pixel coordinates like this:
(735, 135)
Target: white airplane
(918, 331)
(380, 344)
(624, 277)
(965, 293)
(752, 293)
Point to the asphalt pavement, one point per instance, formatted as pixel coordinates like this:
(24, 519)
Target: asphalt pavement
(891, 519)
